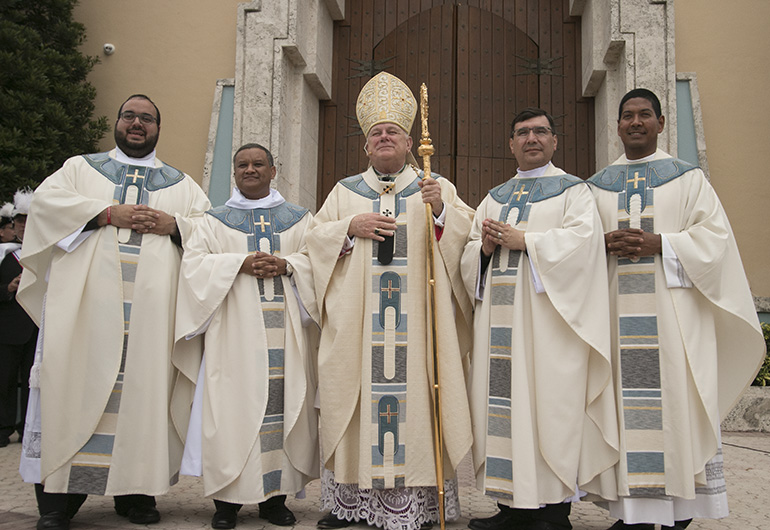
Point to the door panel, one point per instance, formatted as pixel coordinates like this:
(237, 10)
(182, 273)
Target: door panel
(482, 62)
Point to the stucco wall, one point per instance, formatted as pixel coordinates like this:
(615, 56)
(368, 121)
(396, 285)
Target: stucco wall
(725, 44)
(170, 50)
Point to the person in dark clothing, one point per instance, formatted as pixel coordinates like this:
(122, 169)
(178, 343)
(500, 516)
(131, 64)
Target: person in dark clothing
(18, 333)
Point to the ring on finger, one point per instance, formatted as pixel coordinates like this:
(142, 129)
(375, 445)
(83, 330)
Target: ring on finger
(376, 231)
(499, 235)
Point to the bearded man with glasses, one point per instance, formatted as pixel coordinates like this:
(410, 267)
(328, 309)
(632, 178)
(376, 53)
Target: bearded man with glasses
(544, 427)
(101, 259)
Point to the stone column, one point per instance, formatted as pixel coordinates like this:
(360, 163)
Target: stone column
(627, 44)
(283, 69)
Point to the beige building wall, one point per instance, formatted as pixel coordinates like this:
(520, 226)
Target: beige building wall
(174, 52)
(726, 44)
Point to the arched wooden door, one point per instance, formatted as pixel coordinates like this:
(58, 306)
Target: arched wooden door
(482, 62)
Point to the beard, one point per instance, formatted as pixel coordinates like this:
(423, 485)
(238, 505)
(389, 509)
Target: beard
(135, 149)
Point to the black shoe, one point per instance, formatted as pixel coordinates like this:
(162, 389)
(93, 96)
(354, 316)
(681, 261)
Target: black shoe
(4, 441)
(141, 514)
(503, 520)
(332, 521)
(53, 521)
(678, 525)
(277, 514)
(139, 509)
(542, 525)
(224, 519)
(620, 525)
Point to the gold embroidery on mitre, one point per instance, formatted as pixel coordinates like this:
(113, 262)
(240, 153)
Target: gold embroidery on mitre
(385, 99)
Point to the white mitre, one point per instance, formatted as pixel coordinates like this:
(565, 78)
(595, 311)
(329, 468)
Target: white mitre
(385, 99)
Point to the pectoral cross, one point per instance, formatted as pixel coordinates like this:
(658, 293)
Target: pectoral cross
(388, 414)
(636, 179)
(520, 192)
(133, 176)
(262, 223)
(390, 290)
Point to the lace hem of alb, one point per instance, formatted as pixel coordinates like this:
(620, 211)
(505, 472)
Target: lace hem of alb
(390, 509)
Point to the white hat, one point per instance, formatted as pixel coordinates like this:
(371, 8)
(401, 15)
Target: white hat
(7, 210)
(385, 99)
(21, 201)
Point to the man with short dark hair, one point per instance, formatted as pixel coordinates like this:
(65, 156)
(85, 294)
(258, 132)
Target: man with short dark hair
(686, 339)
(246, 284)
(101, 260)
(540, 384)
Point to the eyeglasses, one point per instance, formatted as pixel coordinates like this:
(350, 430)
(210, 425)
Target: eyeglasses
(129, 116)
(540, 132)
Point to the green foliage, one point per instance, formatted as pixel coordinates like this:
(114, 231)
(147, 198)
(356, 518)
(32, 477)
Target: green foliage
(46, 104)
(763, 377)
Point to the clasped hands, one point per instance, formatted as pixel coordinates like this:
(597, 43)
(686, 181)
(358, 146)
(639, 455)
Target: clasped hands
(262, 265)
(494, 233)
(139, 217)
(632, 243)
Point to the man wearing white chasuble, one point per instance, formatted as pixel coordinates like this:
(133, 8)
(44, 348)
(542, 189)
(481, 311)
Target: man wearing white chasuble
(545, 428)
(101, 259)
(686, 339)
(245, 284)
(368, 249)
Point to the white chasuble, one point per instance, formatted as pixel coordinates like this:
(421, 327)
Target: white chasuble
(105, 369)
(374, 357)
(258, 425)
(681, 356)
(540, 382)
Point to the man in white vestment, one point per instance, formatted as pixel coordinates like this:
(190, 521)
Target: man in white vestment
(368, 249)
(540, 381)
(254, 426)
(685, 336)
(101, 259)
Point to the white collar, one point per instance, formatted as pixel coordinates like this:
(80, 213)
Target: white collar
(145, 161)
(648, 158)
(532, 173)
(237, 200)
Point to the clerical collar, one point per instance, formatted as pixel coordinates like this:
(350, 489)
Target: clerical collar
(145, 161)
(389, 177)
(237, 200)
(648, 158)
(533, 173)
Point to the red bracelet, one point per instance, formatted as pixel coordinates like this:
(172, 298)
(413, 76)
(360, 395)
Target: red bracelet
(109, 215)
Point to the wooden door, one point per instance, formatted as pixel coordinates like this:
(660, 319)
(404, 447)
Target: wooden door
(482, 62)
